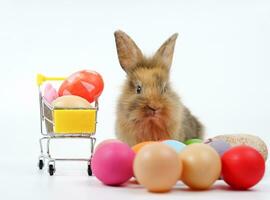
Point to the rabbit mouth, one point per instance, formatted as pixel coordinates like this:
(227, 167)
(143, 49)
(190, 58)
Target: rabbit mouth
(152, 111)
(152, 128)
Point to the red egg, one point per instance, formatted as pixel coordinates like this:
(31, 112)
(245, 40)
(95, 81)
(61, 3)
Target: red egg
(86, 84)
(242, 167)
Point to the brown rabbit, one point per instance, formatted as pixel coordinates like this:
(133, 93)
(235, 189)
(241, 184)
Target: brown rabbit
(148, 109)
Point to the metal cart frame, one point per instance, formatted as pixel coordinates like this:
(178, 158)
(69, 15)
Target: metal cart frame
(48, 136)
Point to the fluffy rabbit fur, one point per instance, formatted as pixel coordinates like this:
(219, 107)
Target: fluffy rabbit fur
(148, 108)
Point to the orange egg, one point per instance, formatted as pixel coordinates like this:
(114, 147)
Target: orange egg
(201, 166)
(157, 167)
(136, 148)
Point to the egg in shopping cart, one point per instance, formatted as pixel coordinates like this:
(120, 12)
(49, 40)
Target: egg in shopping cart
(50, 93)
(70, 101)
(86, 84)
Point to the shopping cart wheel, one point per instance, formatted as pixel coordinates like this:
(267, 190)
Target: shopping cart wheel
(89, 170)
(51, 169)
(40, 164)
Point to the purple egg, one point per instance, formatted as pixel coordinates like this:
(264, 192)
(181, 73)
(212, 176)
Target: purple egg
(220, 146)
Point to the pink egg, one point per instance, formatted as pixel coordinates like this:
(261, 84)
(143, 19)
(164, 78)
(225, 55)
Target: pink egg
(50, 93)
(106, 142)
(112, 163)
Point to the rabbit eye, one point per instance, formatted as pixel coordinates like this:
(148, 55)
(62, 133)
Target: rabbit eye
(138, 89)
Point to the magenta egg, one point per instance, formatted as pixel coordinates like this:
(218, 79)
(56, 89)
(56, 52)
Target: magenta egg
(112, 163)
(106, 142)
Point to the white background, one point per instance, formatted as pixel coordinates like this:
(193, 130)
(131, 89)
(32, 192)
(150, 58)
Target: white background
(220, 69)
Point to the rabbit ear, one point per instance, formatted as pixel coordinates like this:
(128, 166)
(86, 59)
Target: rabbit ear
(128, 52)
(165, 52)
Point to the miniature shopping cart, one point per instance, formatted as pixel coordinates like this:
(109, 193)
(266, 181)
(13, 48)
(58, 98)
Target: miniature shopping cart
(64, 123)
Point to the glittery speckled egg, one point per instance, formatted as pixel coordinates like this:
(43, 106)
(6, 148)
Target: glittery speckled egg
(245, 139)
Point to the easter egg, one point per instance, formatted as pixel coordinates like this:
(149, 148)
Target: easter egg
(104, 142)
(70, 101)
(242, 167)
(50, 93)
(192, 141)
(157, 167)
(245, 139)
(201, 166)
(112, 163)
(176, 145)
(220, 146)
(136, 148)
(86, 84)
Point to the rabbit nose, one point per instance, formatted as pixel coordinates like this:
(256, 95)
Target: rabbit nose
(151, 110)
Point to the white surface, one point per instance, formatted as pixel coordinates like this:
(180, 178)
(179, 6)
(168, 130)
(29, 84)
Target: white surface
(221, 70)
(29, 183)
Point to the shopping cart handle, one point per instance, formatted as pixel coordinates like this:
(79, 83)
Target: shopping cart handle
(41, 78)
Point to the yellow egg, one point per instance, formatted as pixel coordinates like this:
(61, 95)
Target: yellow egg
(201, 166)
(157, 167)
(71, 101)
